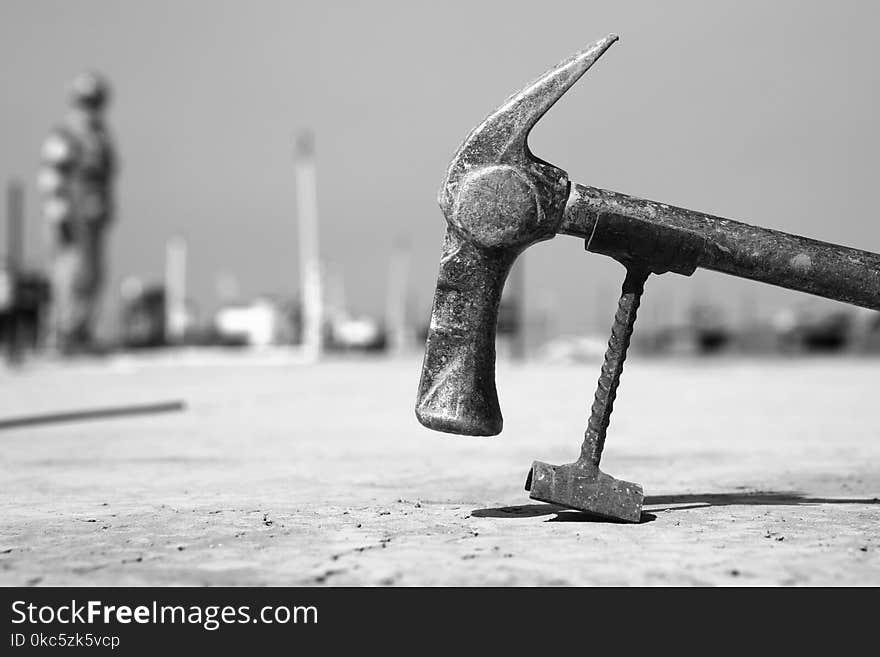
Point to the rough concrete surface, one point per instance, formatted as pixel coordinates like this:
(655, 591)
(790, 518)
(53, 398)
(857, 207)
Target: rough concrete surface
(757, 473)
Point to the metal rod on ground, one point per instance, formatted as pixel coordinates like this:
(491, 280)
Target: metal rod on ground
(91, 414)
(175, 290)
(309, 251)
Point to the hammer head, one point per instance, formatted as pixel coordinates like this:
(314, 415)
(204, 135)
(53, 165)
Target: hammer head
(498, 199)
(585, 488)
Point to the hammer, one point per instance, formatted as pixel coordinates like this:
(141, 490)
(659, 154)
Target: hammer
(499, 199)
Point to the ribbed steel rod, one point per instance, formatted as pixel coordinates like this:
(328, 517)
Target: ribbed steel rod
(612, 367)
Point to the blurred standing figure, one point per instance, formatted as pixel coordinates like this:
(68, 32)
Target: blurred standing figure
(75, 179)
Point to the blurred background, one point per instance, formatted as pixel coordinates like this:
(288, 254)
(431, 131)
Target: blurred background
(278, 164)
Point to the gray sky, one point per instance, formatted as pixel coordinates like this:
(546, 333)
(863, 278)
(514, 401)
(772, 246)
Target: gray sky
(763, 112)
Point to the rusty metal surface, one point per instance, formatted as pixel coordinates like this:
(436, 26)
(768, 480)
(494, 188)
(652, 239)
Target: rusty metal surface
(645, 230)
(498, 199)
(586, 489)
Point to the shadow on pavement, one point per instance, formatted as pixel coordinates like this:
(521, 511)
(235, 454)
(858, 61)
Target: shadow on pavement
(757, 498)
(563, 514)
(670, 503)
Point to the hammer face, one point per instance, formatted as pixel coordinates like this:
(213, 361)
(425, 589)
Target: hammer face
(585, 489)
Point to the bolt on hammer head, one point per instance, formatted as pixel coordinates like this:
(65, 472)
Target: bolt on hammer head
(498, 199)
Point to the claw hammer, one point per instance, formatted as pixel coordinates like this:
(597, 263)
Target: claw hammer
(499, 199)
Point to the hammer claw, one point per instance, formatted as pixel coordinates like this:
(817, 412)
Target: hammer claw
(501, 137)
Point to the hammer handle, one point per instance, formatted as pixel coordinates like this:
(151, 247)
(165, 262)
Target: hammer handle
(457, 390)
(642, 229)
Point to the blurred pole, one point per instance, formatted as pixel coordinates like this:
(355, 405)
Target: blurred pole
(15, 225)
(859, 337)
(309, 258)
(749, 329)
(335, 302)
(517, 285)
(15, 262)
(175, 290)
(395, 304)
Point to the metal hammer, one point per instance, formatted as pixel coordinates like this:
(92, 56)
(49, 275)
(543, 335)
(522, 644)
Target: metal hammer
(498, 199)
